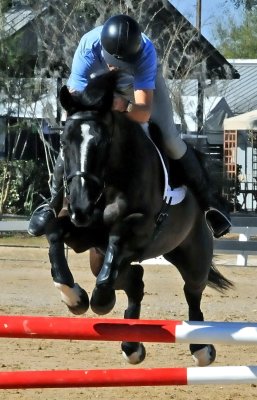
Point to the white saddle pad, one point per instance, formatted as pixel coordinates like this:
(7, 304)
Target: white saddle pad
(171, 196)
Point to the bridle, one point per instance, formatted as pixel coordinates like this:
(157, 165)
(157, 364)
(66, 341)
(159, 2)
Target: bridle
(85, 116)
(85, 175)
(88, 177)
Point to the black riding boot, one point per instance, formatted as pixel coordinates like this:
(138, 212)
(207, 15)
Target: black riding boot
(45, 212)
(197, 179)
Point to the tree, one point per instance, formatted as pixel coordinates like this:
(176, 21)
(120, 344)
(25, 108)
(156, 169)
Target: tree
(246, 4)
(58, 26)
(20, 96)
(4, 5)
(238, 40)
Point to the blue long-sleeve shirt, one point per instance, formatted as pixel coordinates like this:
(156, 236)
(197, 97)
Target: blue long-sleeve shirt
(88, 60)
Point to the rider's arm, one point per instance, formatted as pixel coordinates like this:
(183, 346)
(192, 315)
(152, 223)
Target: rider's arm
(144, 84)
(85, 61)
(140, 109)
(81, 64)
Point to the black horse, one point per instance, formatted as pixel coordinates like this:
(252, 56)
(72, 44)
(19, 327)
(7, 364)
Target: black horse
(114, 181)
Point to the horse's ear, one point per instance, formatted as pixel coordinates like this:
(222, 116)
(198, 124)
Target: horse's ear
(66, 99)
(99, 92)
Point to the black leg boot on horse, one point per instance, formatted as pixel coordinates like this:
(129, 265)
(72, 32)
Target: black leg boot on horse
(46, 212)
(197, 178)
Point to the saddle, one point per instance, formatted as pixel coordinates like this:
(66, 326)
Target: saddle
(174, 189)
(175, 177)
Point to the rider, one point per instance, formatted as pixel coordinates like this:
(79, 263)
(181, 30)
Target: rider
(120, 44)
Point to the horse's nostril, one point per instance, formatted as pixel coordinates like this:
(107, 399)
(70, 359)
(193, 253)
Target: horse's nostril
(73, 217)
(77, 215)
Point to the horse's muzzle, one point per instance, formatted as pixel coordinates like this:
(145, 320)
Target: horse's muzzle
(81, 218)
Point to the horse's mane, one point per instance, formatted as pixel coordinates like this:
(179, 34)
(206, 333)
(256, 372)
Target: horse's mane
(97, 96)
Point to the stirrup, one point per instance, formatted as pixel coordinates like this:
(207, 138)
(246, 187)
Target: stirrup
(42, 206)
(218, 222)
(39, 219)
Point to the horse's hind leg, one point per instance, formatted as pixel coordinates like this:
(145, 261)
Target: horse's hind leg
(194, 268)
(203, 354)
(72, 294)
(131, 281)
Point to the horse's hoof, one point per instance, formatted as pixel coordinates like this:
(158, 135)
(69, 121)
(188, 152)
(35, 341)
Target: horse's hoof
(83, 304)
(102, 300)
(204, 356)
(80, 309)
(135, 356)
(75, 298)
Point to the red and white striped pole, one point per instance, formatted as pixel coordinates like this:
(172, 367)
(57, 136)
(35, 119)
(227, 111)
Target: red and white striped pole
(127, 330)
(128, 377)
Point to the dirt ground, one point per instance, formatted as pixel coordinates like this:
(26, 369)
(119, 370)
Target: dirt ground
(27, 289)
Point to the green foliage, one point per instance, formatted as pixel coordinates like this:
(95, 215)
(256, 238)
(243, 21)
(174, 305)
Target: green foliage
(246, 4)
(5, 5)
(238, 41)
(21, 182)
(8, 56)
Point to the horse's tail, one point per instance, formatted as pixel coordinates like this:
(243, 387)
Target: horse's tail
(217, 281)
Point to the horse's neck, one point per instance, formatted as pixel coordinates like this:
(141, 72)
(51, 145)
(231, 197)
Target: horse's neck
(135, 162)
(130, 133)
(131, 144)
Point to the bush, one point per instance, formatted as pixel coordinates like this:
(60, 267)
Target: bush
(21, 183)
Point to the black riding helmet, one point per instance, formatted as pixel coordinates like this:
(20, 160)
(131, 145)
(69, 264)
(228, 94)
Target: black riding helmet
(121, 40)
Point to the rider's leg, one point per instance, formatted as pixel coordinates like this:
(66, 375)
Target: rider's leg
(217, 216)
(195, 175)
(45, 212)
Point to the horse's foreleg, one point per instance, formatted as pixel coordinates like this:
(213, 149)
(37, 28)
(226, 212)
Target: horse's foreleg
(103, 297)
(127, 237)
(72, 294)
(203, 354)
(109, 270)
(132, 283)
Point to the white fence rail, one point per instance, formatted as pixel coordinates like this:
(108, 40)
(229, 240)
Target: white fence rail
(246, 245)
(14, 226)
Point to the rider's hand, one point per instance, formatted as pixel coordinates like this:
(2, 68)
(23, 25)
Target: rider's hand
(120, 104)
